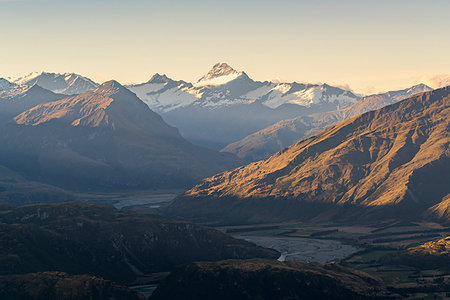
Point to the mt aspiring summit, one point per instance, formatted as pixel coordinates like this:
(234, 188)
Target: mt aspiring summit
(221, 73)
(226, 105)
(218, 70)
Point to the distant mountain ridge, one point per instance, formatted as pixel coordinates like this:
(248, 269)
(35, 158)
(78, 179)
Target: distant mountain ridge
(265, 142)
(105, 138)
(225, 105)
(239, 88)
(15, 98)
(387, 163)
(5, 84)
(67, 83)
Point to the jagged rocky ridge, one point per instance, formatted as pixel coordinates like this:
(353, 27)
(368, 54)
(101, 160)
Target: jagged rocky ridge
(67, 83)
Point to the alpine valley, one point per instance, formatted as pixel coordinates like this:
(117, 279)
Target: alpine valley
(105, 189)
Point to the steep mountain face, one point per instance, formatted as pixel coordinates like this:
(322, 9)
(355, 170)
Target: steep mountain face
(59, 285)
(106, 138)
(225, 105)
(67, 83)
(265, 279)
(265, 142)
(388, 163)
(80, 238)
(15, 99)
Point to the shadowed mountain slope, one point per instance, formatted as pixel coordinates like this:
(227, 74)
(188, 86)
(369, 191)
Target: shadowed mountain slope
(106, 138)
(264, 143)
(17, 98)
(265, 279)
(388, 163)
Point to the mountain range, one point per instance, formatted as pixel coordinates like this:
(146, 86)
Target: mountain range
(226, 109)
(67, 83)
(265, 142)
(226, 105)
(389, 163)
(105, 138)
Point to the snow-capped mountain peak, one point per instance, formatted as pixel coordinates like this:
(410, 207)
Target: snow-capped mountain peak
(221, 73)
(219, 70)
(418, 88)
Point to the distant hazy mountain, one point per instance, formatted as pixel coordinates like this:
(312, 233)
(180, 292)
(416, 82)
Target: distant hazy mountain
(225, 105)
(5, 84)
(389, 163)
(106, 138)
(67, 83)
(267, 141)
(15, 98)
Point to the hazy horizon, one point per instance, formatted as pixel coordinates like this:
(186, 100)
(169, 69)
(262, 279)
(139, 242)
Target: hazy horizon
(370, 46)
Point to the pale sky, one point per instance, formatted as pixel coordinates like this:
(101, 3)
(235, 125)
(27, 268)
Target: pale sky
(369, 45)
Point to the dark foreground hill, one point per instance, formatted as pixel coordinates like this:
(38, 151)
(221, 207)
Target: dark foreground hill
(103, 139)
(266, 279)
(99, 240)
(62, 286)
(388, 163)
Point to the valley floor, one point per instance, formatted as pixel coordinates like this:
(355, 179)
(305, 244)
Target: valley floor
(371, 243)
(360, 247)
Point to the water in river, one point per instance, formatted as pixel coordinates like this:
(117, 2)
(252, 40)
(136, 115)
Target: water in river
(155, 201)
(304, 249)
